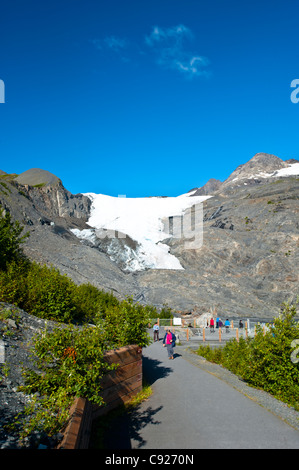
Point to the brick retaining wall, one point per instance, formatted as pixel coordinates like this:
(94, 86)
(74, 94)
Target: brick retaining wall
(118, 387)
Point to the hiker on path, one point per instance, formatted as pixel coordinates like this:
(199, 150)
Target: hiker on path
(212, 325)
(156, 331)
(169, 342)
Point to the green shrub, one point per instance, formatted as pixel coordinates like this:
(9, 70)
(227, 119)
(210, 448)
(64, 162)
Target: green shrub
(13, 283)
(70, 363)
(166, 312)
(269, 360)
(92, 303)
(44, 292)
(49, 294)
(39, 290)
(234, 355)
(265, 360)
(127, 324)
(70, 358)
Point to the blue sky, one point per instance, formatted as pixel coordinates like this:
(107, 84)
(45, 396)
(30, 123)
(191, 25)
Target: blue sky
(146, 98)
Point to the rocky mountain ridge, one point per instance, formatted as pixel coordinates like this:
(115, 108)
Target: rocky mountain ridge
(248, 263)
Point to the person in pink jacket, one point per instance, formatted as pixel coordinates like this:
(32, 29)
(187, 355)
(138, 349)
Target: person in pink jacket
(169, 342)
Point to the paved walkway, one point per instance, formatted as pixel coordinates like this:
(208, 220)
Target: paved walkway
(192, 408)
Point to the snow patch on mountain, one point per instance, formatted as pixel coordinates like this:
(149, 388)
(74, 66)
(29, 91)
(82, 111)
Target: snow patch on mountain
(291, 170)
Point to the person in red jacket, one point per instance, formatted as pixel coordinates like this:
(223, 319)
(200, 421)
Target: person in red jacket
(212, 325)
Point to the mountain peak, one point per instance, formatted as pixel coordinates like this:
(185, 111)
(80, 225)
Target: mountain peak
(210, 187)
(261, 165)
(36, 176)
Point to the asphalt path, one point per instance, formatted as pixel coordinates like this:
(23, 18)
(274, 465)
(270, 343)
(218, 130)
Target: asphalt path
(193, 408)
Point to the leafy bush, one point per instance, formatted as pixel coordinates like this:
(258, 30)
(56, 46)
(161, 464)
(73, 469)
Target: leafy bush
(92, 303)
(13, 283)
(49, 294)
(70, 358)
(69, 363)
(265, 360)
(269, 364)
(40, 290)
(166, 312)
(127, 324)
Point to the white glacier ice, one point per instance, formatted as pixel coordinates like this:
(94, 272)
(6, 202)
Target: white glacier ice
(140, 219)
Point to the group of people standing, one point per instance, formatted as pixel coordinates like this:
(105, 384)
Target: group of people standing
(219, 324)
(170, 338)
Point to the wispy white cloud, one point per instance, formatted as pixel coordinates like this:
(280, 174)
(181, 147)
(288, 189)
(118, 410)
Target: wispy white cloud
(97, 43)
(113, 43)
(175, 34)
(171, 48)
(116, 43)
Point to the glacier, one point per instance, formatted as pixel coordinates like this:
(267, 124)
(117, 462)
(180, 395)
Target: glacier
(140, 219)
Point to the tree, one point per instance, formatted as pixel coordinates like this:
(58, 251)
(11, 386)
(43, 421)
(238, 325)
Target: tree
(10, 240)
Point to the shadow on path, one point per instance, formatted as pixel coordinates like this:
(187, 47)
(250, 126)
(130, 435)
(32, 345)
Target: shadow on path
(128, 425)
(153, 370)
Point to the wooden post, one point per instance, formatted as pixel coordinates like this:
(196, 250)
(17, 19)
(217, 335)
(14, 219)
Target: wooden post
(187, 334)
(203, 333)
(237, 334)
(219, 335)
(194, 323)
(232, 325)
(158, 321)
(171, 322)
